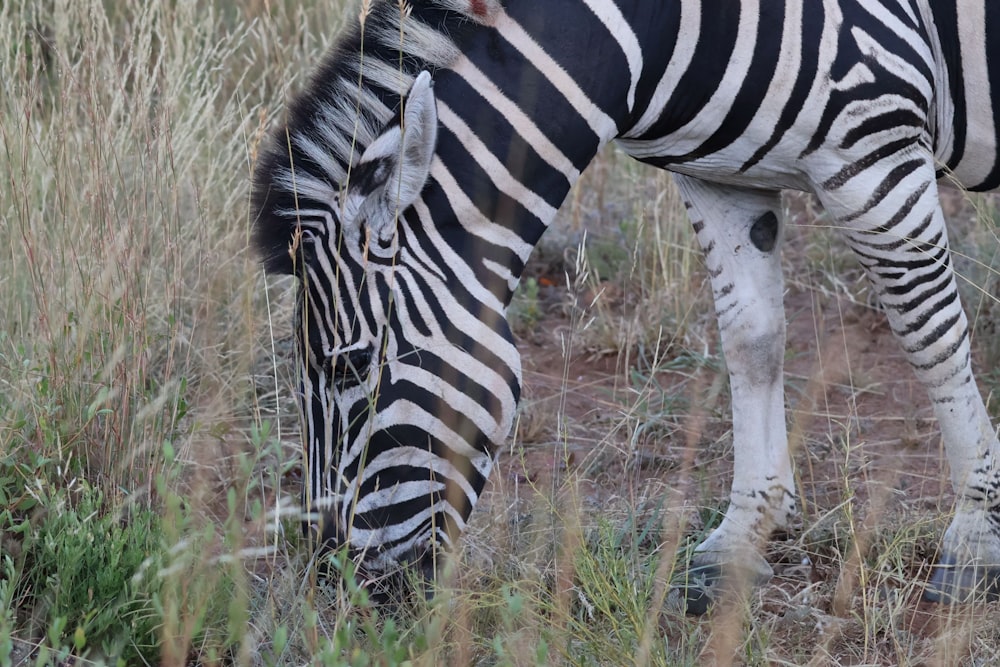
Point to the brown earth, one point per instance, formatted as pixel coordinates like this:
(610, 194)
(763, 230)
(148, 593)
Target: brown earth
(870, 465)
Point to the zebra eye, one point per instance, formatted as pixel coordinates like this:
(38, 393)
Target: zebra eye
(349, 369)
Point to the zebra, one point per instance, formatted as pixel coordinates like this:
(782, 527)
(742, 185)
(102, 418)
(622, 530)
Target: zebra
(411, 178)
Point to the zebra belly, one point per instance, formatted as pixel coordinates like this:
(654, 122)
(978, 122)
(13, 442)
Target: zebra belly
(774, 173)
(977, 171)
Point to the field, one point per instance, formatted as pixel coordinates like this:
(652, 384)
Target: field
(149, 438)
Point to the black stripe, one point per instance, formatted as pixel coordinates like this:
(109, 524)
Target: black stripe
(420, 537)
(574, 42)
(907, 265)
(813, 22)
(937, 257)
(907, 240)
(499, 135)
(932, 310)
(530, 89)
(399, 474)
(473, 249)
(408, 435)
(888, 120)
(753, 88)
(886, 187)
(473, 179)
(454, 236)
(884, 83)
(946, 24)
(921, 298)
(321, 284)
(464, 343)
(656, 26)
(852, 169)
(947, 355)
(993, 66)
(717, 36)
(409, 239)
(404, 290)
(936, 335)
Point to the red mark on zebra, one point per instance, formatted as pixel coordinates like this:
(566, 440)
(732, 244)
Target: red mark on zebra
(478, 7)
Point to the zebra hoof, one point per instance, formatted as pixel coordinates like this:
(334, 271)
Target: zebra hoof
(707, 583)
(699, 588)
(952, 583)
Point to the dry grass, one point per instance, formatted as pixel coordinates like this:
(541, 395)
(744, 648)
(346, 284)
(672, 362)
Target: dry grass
(142, 354)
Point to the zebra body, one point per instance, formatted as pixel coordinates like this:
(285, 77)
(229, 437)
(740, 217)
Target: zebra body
(409, 225)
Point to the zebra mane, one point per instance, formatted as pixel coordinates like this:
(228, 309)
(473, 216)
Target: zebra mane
(354, 94)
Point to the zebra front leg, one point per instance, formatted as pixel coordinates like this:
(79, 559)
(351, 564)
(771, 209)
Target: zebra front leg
(899, 236)
(740, 232)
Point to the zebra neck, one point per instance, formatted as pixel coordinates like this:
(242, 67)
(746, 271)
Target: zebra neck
(522, 112)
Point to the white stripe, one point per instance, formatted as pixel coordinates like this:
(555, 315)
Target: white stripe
(472, 220)
(318, 308)
(612, 18)
(376, 560)
(493, 167)
(601, 123)
(413, 255)
(402, 411)
(418, 38)
(779, 90)
(461, 402)
(383, 74)
(904, 31)
(978, 160)
(400, 492)
(322, 152)
(503, 272)
(687, 39)
(304, 186)
(718, 107)
(457, 265)
(513, 113)
(943, 113)
(417, 456)
(462, 320)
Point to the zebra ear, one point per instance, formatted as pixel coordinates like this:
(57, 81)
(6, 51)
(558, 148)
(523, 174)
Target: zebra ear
(394, 168)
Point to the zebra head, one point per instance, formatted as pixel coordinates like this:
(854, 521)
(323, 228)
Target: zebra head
(398, 437)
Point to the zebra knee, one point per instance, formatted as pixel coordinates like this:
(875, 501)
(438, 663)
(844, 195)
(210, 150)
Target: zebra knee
(755, 351)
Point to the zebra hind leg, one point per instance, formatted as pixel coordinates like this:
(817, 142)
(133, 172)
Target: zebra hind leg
(740, 232)
(901, 241)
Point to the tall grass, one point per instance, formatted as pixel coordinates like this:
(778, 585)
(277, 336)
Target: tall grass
(129, 299)
(148, 439)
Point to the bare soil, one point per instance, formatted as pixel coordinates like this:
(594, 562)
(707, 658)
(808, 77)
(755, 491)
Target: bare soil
(871, 468)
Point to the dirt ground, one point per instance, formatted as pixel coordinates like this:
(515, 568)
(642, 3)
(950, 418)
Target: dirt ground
(852, 397)
(869, 461)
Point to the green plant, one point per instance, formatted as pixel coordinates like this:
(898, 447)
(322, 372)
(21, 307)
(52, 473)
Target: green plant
(525, 309)
(8, 582)
(78, 573)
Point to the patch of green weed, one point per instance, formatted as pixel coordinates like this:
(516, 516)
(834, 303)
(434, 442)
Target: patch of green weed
(525, 309)
(78, 572)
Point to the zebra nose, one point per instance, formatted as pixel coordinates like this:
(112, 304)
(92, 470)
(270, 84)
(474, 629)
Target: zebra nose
(351, 368)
